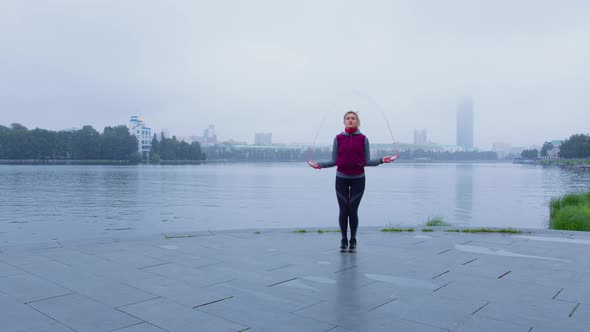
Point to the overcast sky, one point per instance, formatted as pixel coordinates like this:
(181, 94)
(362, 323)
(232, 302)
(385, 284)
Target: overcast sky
(282, 66)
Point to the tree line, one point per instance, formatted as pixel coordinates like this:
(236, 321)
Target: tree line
(173, 149)
(576, 146)
(114, 143)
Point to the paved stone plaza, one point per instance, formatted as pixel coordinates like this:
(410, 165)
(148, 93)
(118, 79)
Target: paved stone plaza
(279, 280)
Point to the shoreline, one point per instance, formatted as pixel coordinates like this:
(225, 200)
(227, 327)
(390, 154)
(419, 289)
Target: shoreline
(96, 162)
(566, 163)
(129, 234)
(58, 162)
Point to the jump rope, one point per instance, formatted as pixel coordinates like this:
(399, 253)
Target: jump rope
(309, 160)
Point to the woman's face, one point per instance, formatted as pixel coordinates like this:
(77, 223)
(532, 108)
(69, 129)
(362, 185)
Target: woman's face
(350, 121)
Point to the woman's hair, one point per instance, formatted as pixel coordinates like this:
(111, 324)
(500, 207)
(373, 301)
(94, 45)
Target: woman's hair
(355, 114)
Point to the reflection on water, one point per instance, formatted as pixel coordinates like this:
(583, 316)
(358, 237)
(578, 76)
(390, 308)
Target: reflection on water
(463, 193)
(40, 203)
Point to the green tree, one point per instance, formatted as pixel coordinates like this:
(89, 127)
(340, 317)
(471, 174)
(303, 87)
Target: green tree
(86, 144)
(135, 157)
(547, 146)
(195, 151)
(18, 127)
(168, 148)
(530, 154)
(577, 146)
(118, 143)
(173, 149)
(155, 158)
(15, 142)
(42, 144)
(19, 145)
(4, 134)
(163, 145)
(155, 146)
(64, 144)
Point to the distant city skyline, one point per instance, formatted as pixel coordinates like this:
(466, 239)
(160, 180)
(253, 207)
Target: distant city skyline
(281, 67)
(210, 137)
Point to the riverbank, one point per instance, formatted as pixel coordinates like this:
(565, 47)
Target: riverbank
(98, 162)
(216, 161)
(583, 164)
(286, 281)
(63, 162)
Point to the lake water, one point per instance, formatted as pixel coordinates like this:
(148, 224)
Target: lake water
(41, 203)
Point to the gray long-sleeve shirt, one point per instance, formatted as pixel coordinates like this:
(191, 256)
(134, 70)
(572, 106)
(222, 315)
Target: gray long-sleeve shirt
(368, 160)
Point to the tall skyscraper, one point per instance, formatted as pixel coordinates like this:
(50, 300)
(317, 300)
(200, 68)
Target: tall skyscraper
(465, 123)
(420, 136)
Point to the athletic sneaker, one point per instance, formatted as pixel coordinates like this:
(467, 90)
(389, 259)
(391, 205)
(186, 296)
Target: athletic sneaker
(352, 247)
(343, 245)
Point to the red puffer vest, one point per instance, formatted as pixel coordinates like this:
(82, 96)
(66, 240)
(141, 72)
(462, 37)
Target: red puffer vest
(351, 154)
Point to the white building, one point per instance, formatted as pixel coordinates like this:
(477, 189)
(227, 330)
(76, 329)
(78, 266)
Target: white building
(138, 129)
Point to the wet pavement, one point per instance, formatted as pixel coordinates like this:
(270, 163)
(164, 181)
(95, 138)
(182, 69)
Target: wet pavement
(279, 280)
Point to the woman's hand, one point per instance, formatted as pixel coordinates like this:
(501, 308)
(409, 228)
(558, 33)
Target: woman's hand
(313, 164)
(388, 159)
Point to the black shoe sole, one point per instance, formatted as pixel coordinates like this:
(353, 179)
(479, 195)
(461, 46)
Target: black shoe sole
(351, 250)
(343, 250)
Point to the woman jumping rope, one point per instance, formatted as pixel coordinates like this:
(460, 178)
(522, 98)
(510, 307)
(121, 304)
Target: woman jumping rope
(351, 153)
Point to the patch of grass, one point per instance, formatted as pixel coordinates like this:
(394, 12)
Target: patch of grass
(427, 230)
(322, 231)
(508, 231)
(573, 199)
(572, 218)
(257, 232)
(436, 221)
(554, 206)
(489, 230)
(485, 230)
(393, 229)
(570, 212)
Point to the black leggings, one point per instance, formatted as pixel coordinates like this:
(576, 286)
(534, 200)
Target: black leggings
(349, 193)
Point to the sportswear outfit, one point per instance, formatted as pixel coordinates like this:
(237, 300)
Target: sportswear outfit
(350, 153)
